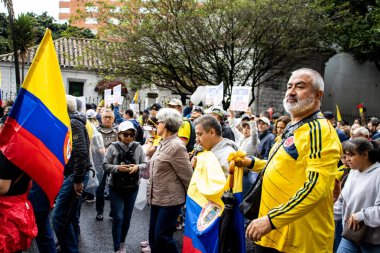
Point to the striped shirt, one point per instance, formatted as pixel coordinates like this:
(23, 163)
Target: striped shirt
(297, 190)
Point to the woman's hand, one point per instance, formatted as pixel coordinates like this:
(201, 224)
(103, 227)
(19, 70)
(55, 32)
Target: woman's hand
(123, 168)
(133, 168)
(353, 222)
(231, 113)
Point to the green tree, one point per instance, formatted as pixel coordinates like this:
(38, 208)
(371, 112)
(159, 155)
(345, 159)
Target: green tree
(183, 44)
(9, 5)
(354, 27)
(24, 28)
(5, 43)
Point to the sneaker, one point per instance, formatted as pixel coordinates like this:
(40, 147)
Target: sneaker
(91, 200)
(178, 226)
(144, 244)
(99, 217)
(146, 249)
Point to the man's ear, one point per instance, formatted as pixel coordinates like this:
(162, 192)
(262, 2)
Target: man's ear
(212, 131)
(319, 95)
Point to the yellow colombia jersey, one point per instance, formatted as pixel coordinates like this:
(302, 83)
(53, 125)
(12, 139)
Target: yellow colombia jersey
(185, 131)
(297, 192)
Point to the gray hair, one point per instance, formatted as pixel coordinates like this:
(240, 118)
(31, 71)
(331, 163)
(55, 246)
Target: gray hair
(318, 82)
(207, 122)
(71, 103)
(360, 132)
(171, 118)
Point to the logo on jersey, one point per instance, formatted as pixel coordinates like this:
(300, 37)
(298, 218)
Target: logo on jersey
(289, 142)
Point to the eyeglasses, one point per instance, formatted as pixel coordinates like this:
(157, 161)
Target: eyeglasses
(126, 135)
(107, 117)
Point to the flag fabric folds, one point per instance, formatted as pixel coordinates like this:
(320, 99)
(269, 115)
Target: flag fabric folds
(135, 98)
(204, 206)
(37, 136)
(338, 115)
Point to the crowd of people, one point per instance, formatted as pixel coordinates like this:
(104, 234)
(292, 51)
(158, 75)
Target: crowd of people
(321, 177)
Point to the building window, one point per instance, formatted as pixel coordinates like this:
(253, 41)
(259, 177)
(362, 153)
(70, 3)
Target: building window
(91, 21)
(76, 88)
(114, 21)
(63, 21)
(64, 10)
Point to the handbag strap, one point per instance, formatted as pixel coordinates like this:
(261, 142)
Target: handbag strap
(288, 131)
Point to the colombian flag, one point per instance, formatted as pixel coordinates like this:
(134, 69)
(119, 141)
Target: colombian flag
(36, 136)
(204, 206)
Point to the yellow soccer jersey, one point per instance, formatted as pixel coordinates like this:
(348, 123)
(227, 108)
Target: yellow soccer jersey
(297, 193)
(184, 131)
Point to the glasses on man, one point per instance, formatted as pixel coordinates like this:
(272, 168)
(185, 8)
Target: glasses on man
(126, 135)
(107, 117)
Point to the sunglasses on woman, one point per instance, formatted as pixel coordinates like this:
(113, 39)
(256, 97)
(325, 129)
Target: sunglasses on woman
(126, 135)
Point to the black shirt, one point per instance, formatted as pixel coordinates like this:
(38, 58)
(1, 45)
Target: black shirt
(9, 171)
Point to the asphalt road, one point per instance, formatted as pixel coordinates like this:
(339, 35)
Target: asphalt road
(96, 236)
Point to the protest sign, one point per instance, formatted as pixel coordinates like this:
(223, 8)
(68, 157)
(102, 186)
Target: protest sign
(240, 98)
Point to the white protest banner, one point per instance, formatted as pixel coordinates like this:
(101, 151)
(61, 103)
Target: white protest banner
(108, 99)
(214, 94)
(117, 94)
(219, 94)
(134, 107)
(240, 98)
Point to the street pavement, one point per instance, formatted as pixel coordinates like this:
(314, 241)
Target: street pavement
(96, 236)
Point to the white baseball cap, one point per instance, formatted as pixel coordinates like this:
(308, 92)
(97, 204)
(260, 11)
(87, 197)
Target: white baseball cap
(265, 120)
(125, 125)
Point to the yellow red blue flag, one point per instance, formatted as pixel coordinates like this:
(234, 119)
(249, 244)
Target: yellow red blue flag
(37, 136)
(204, 206)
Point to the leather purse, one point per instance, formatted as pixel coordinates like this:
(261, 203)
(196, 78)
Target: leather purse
(356, 236)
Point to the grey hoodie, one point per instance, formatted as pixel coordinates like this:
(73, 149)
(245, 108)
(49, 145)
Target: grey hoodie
(222, 151)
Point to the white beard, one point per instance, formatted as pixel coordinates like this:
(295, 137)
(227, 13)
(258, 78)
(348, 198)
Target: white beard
(300, 105)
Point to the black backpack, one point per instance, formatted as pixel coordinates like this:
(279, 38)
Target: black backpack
(191, 142)
(123, 181)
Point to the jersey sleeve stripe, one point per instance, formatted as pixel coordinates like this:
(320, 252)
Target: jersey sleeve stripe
(296, 201)
(311, 139)
(315, 140)
(320, 139)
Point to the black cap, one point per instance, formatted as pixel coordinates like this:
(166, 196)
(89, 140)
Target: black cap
(156, 107)
(329, 115)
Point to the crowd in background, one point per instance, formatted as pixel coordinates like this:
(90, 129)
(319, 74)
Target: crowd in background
(114, 148)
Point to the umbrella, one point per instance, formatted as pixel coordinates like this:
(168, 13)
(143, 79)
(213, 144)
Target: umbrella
(228, 238)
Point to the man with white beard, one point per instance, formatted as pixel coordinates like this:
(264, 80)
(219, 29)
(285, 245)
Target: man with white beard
(296, 209)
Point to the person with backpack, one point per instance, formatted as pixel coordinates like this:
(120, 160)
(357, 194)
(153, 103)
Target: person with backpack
(186, 132)
(128, 116)
(123, 161)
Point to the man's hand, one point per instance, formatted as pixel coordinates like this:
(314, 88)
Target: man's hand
(78, 188)
(244, 163)
(258, 228)
(194, 162)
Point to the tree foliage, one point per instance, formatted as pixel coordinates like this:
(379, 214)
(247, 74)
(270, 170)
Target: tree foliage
(354, 27)
(41, 22)
(183, 44)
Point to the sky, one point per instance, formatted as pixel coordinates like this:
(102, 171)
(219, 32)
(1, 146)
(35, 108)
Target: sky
(35, 6)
